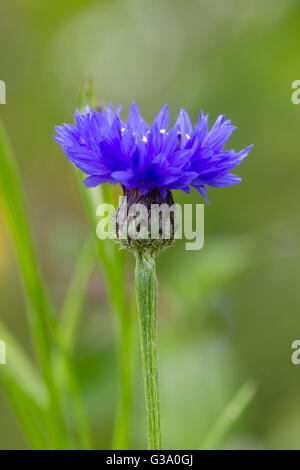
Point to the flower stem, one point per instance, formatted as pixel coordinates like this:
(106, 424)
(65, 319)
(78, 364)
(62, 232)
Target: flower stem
(146, 294)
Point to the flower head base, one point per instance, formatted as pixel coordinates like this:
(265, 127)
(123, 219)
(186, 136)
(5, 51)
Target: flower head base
(146, 158)
(145, 223)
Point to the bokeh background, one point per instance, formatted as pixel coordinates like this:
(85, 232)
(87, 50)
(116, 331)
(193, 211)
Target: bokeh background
(228, 313)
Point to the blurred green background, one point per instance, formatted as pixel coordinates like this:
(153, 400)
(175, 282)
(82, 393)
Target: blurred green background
(227, 313)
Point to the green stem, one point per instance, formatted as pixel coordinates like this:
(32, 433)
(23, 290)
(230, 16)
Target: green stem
(146, 293)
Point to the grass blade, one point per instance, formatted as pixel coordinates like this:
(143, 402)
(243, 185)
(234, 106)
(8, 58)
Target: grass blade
(72, 305)
(40, 315)
(27, 413)
(25, 391)
(229, 416)
(112, 262)
(21, 369)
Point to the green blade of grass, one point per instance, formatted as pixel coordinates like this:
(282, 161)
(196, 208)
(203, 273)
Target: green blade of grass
(21, 369)
(40, 316)
(229, 416)
(112, 262)
(13, 205)
(28, 414)
(66, 336)
(28, 394)
(70, 312)
(25, 390)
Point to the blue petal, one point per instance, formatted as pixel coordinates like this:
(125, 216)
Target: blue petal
(185, 126)
(135, 122)
(202, 190)
(93, 180)
(170, 143)
(226, 180)
(155, 140)
(162, 119)
(108, 114)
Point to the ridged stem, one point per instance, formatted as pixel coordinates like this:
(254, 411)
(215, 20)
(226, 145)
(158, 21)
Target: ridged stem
(146, 294)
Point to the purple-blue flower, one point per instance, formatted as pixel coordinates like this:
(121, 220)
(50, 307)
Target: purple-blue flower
(141, 157)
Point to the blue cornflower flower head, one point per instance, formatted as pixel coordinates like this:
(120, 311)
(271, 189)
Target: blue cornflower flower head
(150, 159)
